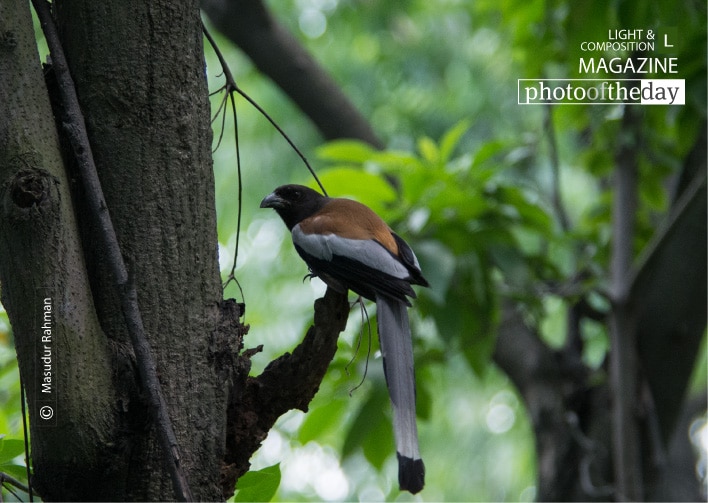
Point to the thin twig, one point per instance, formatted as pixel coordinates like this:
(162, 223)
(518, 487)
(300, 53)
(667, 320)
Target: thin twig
(232, 86)
(361, 333)
(555, 167)
(280, 56)
(228, 88)
(75, 127)
(364, 315)
(5, 478)
(232, 273)
(223, 119)
(26, 438)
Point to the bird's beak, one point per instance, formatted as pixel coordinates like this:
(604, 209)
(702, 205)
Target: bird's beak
(273, 201)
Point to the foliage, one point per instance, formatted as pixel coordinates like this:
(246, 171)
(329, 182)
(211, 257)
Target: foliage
(258, 485)
(12, 446)
(482, 207)
(467, 221)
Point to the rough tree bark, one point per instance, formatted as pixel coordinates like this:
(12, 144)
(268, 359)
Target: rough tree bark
(41, 258)
(142, 88)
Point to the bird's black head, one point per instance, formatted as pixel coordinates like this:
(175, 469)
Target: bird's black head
(294, 203)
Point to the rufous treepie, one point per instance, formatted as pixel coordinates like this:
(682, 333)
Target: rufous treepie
(349, 247)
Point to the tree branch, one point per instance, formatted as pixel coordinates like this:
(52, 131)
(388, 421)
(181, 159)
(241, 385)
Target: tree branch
(554, 391)
(556, 195)
(280, 56)
(668, 283)
(230, 87)
(76, 131)
(676, 480)
(289, 382)
(623, 360)
(5, 478)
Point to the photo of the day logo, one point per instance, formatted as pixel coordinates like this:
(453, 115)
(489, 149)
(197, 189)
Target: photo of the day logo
(601, 91)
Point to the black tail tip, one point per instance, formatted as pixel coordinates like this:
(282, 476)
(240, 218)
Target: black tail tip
(411, 474)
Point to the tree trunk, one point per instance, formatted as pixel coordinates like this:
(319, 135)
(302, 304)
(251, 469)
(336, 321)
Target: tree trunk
(139, 72)
(63, 354)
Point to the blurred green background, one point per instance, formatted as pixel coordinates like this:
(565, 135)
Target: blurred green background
(477, 172)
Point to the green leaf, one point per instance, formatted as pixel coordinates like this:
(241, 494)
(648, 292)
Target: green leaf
(10, 448)
(438, 264)
(467, 315)
(489, 150)
(17, 471)
(259, 485)
(528, 212)
(513, 266)
(397, 161)
(351, 151)
(371, 430)
(424, 398)
(367, 188)
(451, 138)
(429, 150)
(322, 419)
(457, 201)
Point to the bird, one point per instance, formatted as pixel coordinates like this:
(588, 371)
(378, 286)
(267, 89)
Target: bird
(349, 247)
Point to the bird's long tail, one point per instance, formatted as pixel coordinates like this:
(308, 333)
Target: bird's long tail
(397, 351)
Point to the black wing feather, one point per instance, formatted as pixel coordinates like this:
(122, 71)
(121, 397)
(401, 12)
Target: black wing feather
(360, 278)
(408, 259)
